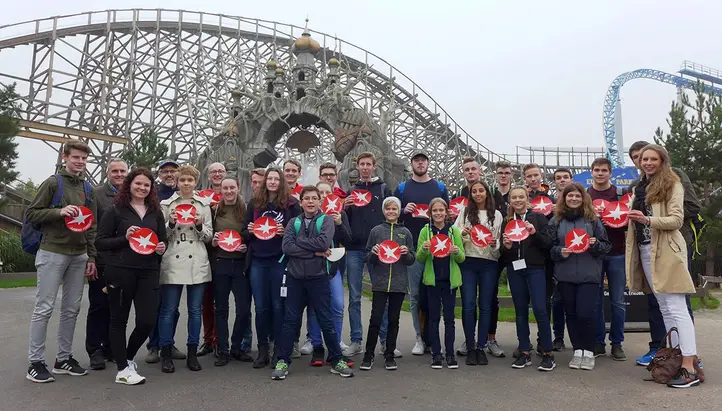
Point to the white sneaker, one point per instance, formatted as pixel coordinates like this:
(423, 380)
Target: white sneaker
(307, 348)
(397, 352)
(129, 376)
(296, 353)
(587, 360)
(353, 349)
(576, 361)
(343, 345)
(419, 347)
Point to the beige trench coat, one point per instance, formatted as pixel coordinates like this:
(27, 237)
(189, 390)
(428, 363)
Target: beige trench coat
(186, 260)
(668, 250)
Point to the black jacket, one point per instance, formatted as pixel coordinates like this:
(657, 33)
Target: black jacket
(535, 248)
(104, 195)
(363, 219)
(111, 237)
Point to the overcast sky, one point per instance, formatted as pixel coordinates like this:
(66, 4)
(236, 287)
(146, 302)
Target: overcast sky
(510, 72)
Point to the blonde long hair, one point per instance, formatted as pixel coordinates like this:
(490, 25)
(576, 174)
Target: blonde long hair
(662, 183)
(587, 207)
(510, 212)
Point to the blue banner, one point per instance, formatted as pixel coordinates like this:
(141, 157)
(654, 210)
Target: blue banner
(621, 177)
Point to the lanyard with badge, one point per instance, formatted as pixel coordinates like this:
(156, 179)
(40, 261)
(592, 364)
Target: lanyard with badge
(520, 263)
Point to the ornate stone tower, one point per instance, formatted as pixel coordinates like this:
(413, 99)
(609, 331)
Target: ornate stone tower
(304, 72)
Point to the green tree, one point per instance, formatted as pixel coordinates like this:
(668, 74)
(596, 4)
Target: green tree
(28, 188)
(9, 128)
(694, 143)
(146, 151)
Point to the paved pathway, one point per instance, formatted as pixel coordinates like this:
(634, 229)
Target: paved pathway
(415, 386)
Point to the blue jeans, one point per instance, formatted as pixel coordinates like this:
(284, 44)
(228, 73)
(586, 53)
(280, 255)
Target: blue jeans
(477, 274)
(617, 280)
(355, 261)
(530, 284)
(441, 298)
(229, 277)
(266, 279)
(316, 294)
(337, 294)
(154, 339)
(171, 300)
(415, 272)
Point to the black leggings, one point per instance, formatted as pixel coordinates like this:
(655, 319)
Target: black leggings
(378, 306)
(128, 286)
(580, 305)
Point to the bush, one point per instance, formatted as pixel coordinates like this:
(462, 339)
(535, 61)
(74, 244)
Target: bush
(14, 259)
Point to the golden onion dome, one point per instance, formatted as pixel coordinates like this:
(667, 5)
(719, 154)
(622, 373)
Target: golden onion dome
(271, 64)
(279, 71)
(307, 44)
(333, 62)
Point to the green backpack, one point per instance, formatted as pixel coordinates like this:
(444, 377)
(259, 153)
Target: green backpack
(297, 229)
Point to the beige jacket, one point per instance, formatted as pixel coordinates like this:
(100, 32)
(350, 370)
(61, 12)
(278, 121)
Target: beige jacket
(668, 250)
(186, 260)
(488, 253)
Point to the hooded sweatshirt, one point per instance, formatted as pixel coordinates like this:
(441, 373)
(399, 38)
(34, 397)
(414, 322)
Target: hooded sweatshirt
(390, 278)
(268, 248)
(363, 219)
(300, 248)
(580, 268)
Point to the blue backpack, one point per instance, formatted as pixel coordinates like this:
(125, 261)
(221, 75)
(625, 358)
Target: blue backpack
(31, 235)
(402, 185)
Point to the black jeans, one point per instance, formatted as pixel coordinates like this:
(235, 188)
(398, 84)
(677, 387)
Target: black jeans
(128, 287)
(580, 307)
(97, 328)
(228, 277)
(439, 297)
(378, 306)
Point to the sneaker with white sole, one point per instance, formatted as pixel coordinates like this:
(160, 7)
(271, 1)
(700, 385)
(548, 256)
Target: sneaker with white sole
(353, 349)
(494, 348)
(419, 347)
(129, 376)
(343, 346)
(38, 372)
(587, 361)
(576, 362)
(307, 348)
(69, 367)
(397, 352)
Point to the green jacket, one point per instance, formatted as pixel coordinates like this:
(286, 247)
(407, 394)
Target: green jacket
(425, 257)
(57, 238)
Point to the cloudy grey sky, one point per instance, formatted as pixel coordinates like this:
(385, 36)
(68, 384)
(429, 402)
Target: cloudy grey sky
(510, 72)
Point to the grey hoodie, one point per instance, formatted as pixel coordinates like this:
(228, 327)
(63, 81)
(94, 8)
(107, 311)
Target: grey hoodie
(300, 248)
(391, 278)
(578, 268)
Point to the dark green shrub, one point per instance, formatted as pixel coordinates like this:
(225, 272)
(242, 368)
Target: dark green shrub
(14, 259)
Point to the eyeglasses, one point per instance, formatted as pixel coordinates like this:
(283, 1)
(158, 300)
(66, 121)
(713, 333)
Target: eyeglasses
(328, 175)
(167, 171)
(217, 172)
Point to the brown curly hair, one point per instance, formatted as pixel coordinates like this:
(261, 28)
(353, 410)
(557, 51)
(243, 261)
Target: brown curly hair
(123, 197)
(587, 207)
(283, 195)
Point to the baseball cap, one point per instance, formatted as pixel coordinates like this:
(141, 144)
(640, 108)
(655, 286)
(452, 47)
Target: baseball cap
(419, 153)
(167, 162)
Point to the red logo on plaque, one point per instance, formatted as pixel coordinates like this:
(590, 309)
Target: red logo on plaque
(615, 215)
(265, 228)
(480, 235)
(542, 204)
(144, 241)
(296, 192)
(81, 222)
(389, 252)
(361, 198)
(627, 200)
(599, 203)
(332, 204)
(229, 240)
(577, 241)
(440, 245)
(211, 195)
(185, 214)
(421, 211)
(458, 205)
(516, 230)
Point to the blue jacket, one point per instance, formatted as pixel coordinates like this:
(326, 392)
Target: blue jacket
(578, 268)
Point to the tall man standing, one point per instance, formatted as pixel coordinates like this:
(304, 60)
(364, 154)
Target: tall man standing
(216, 174)
(362, 219)
(613, 265)
(97, 330)
(65, 256)
(420, 189)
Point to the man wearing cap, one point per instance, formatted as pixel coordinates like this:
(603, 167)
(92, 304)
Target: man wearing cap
(419, 189)
(168, 175)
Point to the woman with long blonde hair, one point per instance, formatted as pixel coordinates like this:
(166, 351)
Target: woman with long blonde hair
(656, 256)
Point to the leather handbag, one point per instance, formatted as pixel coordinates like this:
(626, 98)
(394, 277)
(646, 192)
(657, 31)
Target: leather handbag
(667, 362)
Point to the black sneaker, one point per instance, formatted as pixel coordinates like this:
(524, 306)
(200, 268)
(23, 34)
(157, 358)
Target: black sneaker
(558, 345)
(368, 362)
(470, 357)
(547, 363)
(437, 362)
(239, 354)
(539, 350)
(223, 359)
(97, 360)
(69, 367)
(618, 353)
(517, 352)
(684, 379)
(600, 350)
(524, 360)
(317, 357)
(205, 350)
(481, 358)
(390, 364)
(38, 372)
(451, 362)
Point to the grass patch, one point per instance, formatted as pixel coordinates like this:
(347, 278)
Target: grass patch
(17, 283)
(710, 302)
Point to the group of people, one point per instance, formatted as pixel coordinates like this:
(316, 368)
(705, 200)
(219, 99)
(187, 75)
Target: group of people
(152, 239)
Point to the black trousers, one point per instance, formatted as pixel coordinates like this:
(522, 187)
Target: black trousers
(378, 306)
(441, 299)
(580, 305)
(97, 327)
(128, 287)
